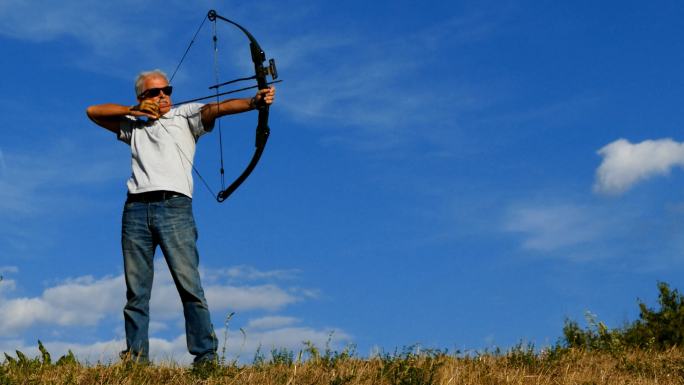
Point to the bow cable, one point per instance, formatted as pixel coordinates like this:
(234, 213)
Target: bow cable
(187, 49)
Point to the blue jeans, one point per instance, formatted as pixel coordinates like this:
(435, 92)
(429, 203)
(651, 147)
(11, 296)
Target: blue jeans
(169, 224)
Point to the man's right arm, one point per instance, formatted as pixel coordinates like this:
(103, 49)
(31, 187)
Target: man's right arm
(108, 115)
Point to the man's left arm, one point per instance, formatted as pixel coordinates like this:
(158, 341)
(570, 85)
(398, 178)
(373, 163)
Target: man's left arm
(212, 111)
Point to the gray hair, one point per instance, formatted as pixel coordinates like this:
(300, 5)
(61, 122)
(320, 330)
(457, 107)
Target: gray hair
(141, 79)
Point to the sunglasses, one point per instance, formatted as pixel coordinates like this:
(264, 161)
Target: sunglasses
(154, 92)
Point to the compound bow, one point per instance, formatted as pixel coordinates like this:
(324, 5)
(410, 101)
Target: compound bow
(261, 71)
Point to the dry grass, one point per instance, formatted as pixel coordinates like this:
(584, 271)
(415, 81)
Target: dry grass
(516, 367)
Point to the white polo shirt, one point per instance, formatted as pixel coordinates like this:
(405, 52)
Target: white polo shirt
(163, 150)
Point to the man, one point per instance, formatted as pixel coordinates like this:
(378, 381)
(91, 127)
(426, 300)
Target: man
(158, 209)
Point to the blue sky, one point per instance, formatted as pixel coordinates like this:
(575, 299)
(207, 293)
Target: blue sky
(457, 175)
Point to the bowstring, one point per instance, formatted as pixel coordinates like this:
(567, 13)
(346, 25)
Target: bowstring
(181, 153)
(216, 78)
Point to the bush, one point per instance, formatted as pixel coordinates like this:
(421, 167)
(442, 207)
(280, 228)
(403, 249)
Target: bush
(659, 329)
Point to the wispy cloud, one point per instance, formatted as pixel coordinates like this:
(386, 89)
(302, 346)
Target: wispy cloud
(351, 85)
(271, 322)
(9, 269)
(106, 34)
(553, 227)
(3, 166)
(94, 24)
(248, 273)
(27, 175)
(6, 285)
(49, 182)
(625, 164)
(363, 89)
(642, 237)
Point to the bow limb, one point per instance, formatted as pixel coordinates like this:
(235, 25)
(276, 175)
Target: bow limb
(262, 133)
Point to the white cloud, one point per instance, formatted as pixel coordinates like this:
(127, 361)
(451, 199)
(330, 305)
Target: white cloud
(97, 297)
(222, 297)
(83, 301)
(86, 301)
(625, 164)
(268, 297)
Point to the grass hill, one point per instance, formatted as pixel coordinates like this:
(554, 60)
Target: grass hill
(646, 351)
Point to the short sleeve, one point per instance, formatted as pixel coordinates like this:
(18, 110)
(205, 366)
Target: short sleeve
(126, 129)
(193, 113)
